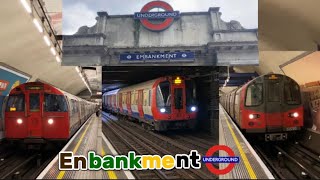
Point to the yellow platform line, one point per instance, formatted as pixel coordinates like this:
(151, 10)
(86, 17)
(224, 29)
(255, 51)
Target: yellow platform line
(111, 174)
(252, 174)
(61, 174)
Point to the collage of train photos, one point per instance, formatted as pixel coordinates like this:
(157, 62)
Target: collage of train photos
(159, 89)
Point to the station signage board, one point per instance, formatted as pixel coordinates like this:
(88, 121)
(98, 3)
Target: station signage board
(146, 17)
(157, 56)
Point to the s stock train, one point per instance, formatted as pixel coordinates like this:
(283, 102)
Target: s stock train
(269, 105)
(164, 103)
(36, 113)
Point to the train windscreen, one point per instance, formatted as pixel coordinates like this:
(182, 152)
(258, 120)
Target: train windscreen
(34, 102)
(254, 94)
(15, 103)
(178, 98)
(163, 94)
(292, 94)
(273, 91)
(190, 93)
(55, 103)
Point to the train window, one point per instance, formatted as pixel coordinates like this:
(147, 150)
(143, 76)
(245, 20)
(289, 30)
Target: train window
(178, 98)
(292, 93)
(254, 94)
(145, 98)
(55, 103)
(190, 93)
(163, 94)
(34, 102)
(15, 103)
(274, 91)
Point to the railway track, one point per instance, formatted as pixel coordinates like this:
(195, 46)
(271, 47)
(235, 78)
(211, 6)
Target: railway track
(290, 160)
(19, 163)
(127, 136)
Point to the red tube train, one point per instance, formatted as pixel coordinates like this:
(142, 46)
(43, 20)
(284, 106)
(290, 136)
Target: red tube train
(36, 113)
(164, 103)
(269, 105)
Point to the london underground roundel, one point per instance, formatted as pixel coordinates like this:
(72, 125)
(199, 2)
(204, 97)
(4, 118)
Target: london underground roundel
(147, 17)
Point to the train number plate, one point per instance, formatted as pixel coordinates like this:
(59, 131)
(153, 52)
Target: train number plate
(276, 137)
(292, 128)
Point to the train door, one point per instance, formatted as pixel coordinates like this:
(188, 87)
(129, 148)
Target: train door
(120, 102)
(178, 100)
(140, 103)
(274, 104)
(34, 110)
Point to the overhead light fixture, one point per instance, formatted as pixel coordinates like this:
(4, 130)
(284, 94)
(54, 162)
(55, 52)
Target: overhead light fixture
(47, 40)
(38, 25)
(26, 5)
(78, 69)
(53, 51)
(58, 59)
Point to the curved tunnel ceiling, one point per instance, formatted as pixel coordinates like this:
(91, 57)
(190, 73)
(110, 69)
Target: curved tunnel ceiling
(23, 47)
(289, 25)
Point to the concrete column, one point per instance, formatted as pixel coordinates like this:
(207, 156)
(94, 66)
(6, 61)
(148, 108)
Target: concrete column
(101, 22)
(215, 18)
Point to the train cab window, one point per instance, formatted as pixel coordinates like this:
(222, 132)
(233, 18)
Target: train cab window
(292, 93)
(190, 93)
(55, 103)
(15, 103)
(254, 94)
(163, 94)
(178, 98)
(274, 91)
(34, 102)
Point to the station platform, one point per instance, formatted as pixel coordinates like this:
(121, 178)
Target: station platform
(250, 165)
(88, 138)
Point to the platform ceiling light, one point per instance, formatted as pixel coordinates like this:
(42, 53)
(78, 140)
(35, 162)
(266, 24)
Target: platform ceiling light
(38, 25)
(26, 5)
(53, 51)
(58, 59)
(77, 69)
(47, 40)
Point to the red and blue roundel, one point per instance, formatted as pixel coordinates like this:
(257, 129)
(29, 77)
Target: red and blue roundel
(168, 15)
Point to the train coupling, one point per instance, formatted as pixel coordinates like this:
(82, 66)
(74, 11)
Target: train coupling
(276, 137)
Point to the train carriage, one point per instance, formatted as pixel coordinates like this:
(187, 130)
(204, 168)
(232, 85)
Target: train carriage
(164, 103)
(269, 104)
(37, 112)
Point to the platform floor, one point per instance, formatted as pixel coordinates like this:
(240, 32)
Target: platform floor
(250, 166)
(89, 137)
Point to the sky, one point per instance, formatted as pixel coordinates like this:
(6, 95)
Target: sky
(77, 13)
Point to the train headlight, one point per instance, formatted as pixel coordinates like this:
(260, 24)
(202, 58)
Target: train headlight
(254, 116)
(193, 108)
(294, 115)
(162, 110)
(19, 121)
(50, 121)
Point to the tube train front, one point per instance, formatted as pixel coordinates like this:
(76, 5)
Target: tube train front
(269, 105)
(36, 112)
(164, 103)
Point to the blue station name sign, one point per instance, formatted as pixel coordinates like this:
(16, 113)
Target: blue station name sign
(157, 56)
(156, 15)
